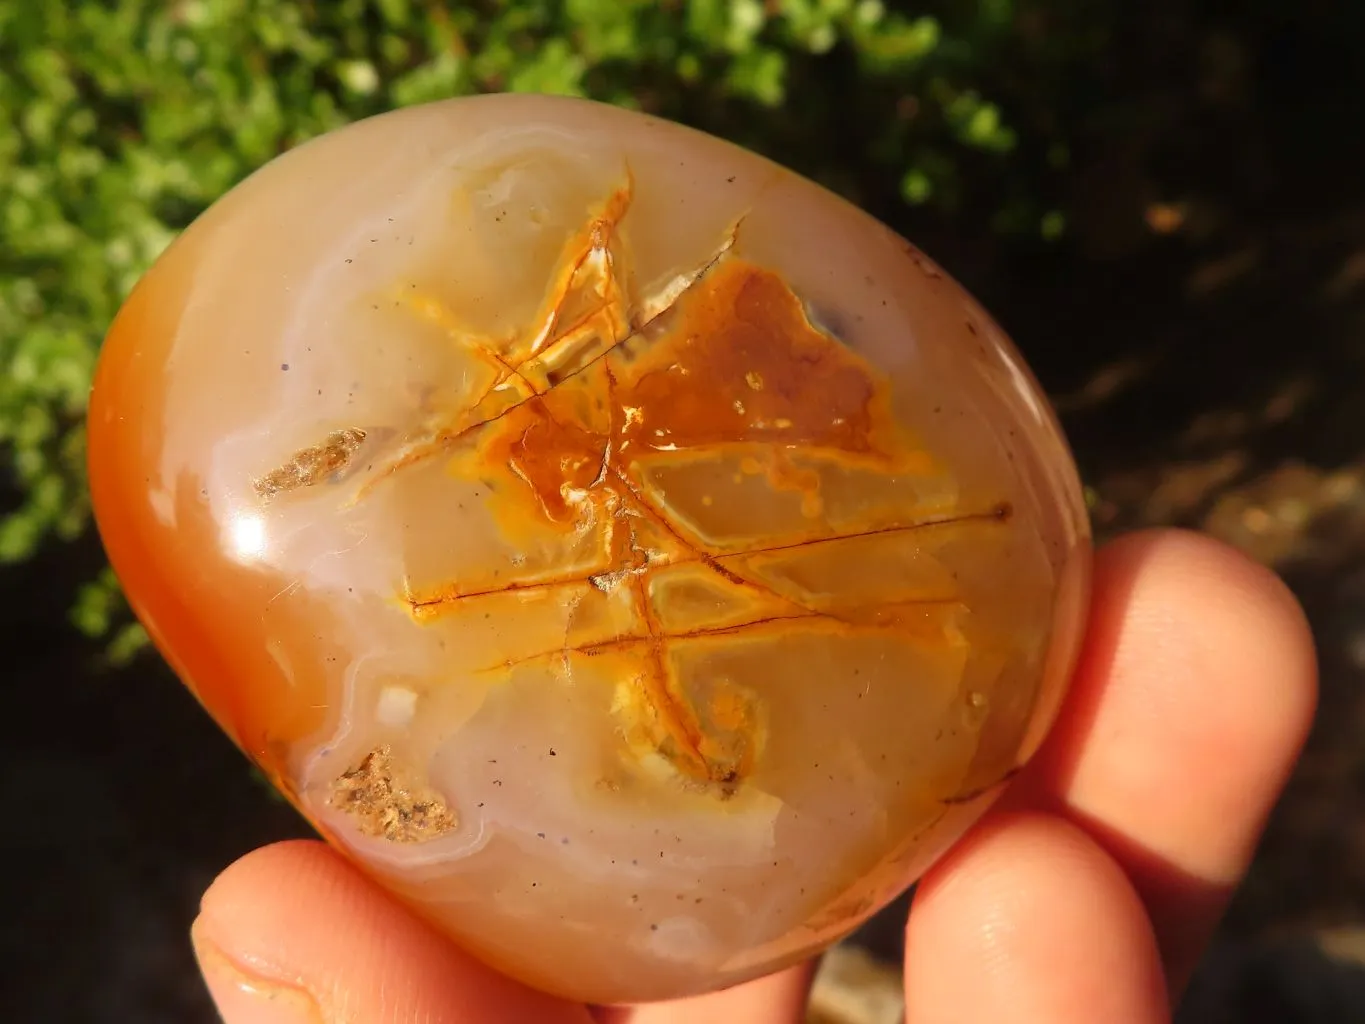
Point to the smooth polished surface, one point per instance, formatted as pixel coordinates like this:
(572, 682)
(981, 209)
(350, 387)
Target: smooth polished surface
(638, 559)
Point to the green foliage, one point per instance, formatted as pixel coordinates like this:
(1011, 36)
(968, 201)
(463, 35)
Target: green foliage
(124, 119)
(100, 611)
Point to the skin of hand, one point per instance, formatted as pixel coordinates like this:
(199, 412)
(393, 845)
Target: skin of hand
(1087, 894)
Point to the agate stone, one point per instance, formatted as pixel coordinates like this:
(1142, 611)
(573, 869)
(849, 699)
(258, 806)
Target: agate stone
(639, 560)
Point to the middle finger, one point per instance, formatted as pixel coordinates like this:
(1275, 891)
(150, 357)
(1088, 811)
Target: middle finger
(1194, 693)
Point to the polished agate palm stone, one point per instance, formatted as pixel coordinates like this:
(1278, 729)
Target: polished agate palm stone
(637, 559)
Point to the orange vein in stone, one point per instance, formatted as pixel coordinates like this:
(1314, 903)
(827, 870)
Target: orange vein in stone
(705, 558)
(627, 641)
(699, 554)
(448, 436)
(674, 711)
(999, 514)
(674, 714)
(657, 516)
(616, 209)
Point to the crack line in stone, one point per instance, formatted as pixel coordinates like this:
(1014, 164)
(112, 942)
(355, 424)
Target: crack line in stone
(625, 642)
(705, 558)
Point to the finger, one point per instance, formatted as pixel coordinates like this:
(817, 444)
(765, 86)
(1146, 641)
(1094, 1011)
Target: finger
(292, 934)
(1028, 920)
(777, 999)
(1193, 696)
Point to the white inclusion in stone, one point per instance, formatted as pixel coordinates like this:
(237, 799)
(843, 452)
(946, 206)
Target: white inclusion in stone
(682, 940)
(397, 705)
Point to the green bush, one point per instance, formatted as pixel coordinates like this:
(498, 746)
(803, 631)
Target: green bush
(125, 119)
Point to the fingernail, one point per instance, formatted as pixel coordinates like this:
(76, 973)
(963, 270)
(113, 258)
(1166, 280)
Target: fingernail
(246, 998)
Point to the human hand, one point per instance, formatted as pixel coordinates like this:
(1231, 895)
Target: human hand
(1086, 895)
